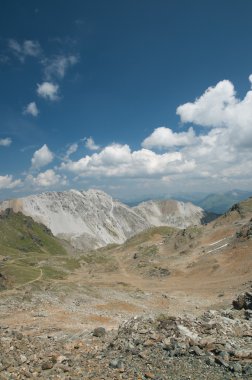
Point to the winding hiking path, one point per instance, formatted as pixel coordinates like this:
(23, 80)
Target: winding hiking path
(11, 291)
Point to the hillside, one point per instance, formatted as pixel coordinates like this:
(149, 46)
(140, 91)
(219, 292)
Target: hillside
(170, 213)
(29, 253)
(163, 297)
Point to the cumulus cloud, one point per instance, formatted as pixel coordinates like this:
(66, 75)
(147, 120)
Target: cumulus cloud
(219, 107)
(42, 157)
(163, 137)
(212, 109)
(26, 48)
(5, 142)
(46, 179)
(223, 153)
(207, 159)
(31, 109)
(58, 65)
(7, 182)
(90, 144)
(119, 161)
(48, 90)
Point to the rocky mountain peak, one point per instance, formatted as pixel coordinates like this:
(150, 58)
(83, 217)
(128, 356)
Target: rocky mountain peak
(91, 219)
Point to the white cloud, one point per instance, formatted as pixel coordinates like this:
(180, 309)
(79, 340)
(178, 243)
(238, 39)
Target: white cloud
(163, 137)
(250, 78)
(42, 157)
(219, 107)
(31, 109)
(58, 65)
(5, 142)
(71, 149)
(213, 158)
(119, 161)
(46, 179)
(218, 156)
(90, 144)
(7, 182)
(27, 48)
(224, 153)
(15, 46)
(211, 109)
(31, 48)
(48, 90)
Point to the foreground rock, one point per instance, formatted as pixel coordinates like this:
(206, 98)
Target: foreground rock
(243, 301)
(216, 346)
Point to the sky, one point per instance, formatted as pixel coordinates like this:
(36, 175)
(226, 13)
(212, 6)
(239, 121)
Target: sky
(140, 99)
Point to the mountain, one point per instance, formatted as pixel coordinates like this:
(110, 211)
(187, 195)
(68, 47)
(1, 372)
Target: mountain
(93, 219)
(220, 202)
(166, 282)
(216, 203)
(170, 213)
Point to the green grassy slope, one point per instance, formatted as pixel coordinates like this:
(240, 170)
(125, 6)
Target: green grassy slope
(29, 252)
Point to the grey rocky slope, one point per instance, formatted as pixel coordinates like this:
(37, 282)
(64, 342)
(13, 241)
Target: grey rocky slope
(215, 345)
(93, 219)
(170, 213)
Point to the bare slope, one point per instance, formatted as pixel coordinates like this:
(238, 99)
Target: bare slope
(160, 270)
(93, 219)
(170, 213)
(163, 275)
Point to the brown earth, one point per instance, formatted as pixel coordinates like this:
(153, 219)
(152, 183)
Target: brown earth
(160, 271)
(164, 281)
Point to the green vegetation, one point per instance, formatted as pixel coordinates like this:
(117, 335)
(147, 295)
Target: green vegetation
(19, 232)
(244, 207)
(100, 259)
(95, 258)
(20, 274)
(52, 273)
(148, 251)
(145, 255)
(30, 253)
(146, 235)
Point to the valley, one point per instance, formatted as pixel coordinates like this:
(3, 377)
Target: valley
(50, 289)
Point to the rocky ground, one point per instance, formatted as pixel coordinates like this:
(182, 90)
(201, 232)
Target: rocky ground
(164, 305)
(215, 345)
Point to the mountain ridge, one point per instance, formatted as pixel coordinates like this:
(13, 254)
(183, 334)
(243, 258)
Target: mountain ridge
(221, 202)
(92, 219)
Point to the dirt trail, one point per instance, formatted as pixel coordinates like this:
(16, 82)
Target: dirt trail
(106, 292)
(18, 287)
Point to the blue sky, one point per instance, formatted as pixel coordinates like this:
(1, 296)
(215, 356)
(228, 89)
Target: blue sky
(138, 98)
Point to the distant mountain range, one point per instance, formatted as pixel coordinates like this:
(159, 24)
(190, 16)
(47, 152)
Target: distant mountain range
(217, 203)
(93, 219)
(220, 202)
